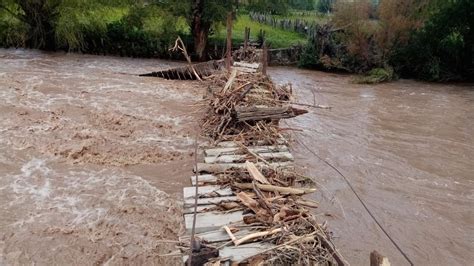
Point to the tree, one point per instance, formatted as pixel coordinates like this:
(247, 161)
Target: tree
(325, 6)
(41, 17)
(274, 7)
(443, 48)
(204, 14)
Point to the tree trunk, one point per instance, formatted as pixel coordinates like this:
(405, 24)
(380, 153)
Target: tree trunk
(199, 29)
(40, 18)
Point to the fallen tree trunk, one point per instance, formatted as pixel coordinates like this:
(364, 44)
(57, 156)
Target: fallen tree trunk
(244, 113)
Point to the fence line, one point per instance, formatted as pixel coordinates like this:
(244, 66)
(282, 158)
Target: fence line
(301, 26)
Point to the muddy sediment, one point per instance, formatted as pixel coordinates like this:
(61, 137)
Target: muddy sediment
(92, 159)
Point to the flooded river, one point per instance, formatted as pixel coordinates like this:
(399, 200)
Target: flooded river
(408, 150)
(93, 157)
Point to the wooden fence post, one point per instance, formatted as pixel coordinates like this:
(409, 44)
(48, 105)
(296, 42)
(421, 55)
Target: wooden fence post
(246, 38)
(228, 61)
(264, 58)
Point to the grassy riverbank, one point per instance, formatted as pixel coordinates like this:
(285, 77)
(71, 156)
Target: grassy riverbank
(278, 38)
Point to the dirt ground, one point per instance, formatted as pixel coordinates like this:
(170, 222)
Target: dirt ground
(92, 159)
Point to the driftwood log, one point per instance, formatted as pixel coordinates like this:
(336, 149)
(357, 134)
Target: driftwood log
(244, 113)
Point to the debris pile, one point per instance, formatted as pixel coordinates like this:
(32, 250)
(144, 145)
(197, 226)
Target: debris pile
(248, 54)
(246, 107)
(246, 204)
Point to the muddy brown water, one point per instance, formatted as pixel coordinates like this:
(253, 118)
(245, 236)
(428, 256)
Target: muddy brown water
(407, 147)
(93, 159)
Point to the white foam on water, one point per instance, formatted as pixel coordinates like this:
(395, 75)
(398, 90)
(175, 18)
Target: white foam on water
(33, 180)
(75, 198)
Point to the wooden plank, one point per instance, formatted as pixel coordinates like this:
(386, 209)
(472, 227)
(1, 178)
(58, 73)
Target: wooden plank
(246, 69)
(219, 168)
(280, 141)
(207, 201)
(219, 235)
(238, 150)
(210, 221)
(246, 113)
(240, 253)
(200, 208)
(204, 179)
(274, 156)
(207, 191)
(247, 65)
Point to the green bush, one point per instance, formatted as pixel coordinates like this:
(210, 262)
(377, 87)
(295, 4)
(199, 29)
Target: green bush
(12, 33)
(443, 49)
(376, 75)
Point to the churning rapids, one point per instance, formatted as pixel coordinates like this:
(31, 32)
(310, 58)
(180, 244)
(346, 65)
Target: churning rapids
(92, 159)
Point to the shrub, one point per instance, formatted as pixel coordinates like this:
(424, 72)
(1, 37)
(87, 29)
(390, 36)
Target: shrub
(376, 75)
(442, 49)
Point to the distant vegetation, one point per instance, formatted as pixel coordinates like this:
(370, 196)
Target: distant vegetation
(275, 37)
(426, 39)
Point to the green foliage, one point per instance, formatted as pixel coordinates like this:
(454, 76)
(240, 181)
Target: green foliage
(310, 57)
(376, 75)
(443, 49)
(431, 40)
(302, 4)
(12, 31)
(105, 27)
(325, 6)
(274, 7)
(140, 33)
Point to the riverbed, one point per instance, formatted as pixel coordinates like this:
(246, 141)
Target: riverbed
(93, 159)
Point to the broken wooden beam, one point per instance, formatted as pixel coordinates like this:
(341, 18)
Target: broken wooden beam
(240, 150)
(209, 221)
(220, 168)
(270, 156)
(207, 192)
(218, 235)
(245, 113)
(208, 201)
(204, 179)
(228, 144)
